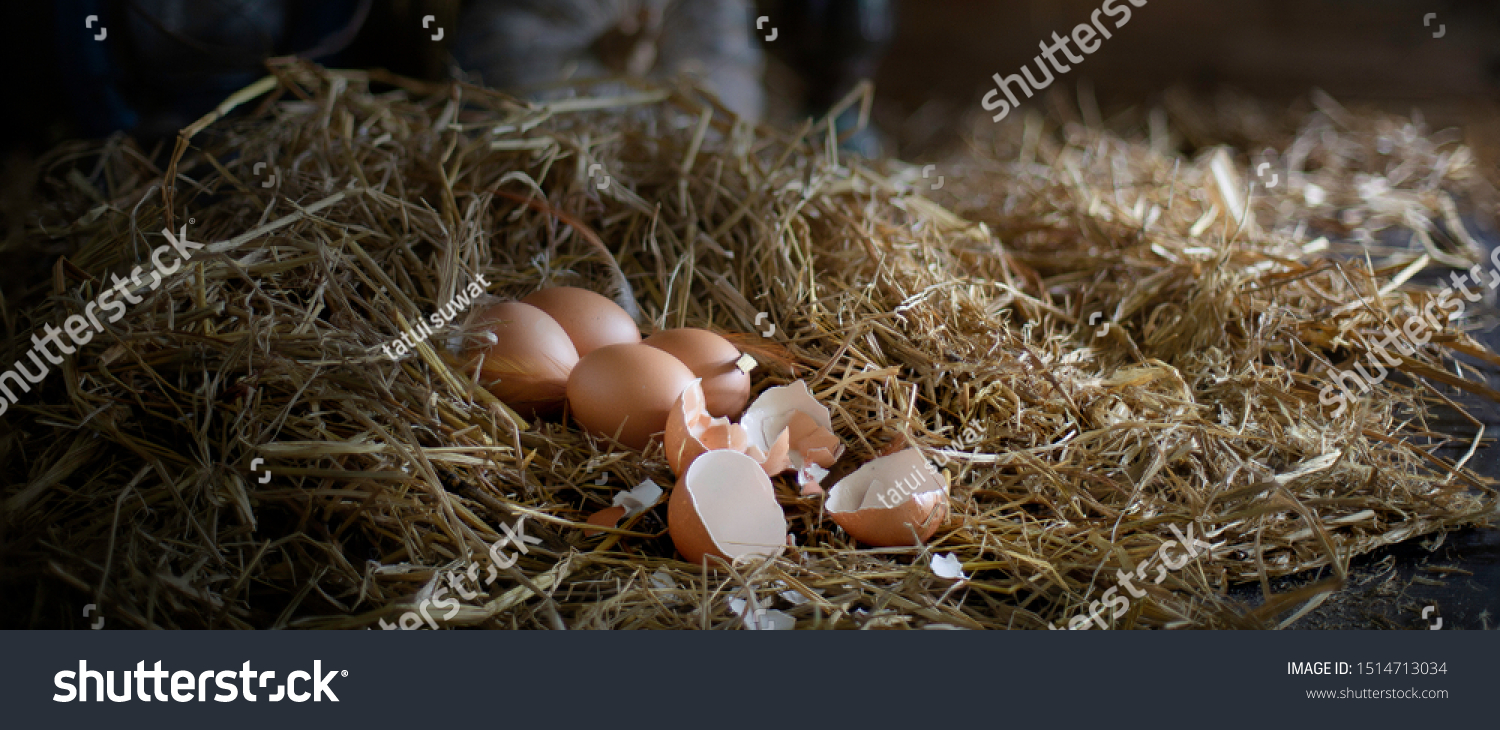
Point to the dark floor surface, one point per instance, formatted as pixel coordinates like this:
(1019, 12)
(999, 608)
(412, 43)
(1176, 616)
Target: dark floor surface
(1457, 574)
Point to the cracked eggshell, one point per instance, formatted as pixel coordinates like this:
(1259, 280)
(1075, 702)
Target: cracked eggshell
(692, 432)
(724, 505)
(811, 442)
(712, 358)
(878, 502)
(626, 388)
(531, 359)
(590, 319)
(792, 428)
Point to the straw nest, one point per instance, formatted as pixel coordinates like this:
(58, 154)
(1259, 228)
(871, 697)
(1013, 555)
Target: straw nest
(129, 472)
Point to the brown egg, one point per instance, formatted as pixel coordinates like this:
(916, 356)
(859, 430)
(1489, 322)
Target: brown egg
(724, 505)
(713, 359)
(591, 320)
(626, 388)
(529, 364)
(895, 500)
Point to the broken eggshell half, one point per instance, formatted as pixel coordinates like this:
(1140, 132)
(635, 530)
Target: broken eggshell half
(692, 431)
(792, 428)
(891, 500)
(785, 428)
(724, 505)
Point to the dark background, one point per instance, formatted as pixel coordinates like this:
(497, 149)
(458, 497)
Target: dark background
(938, 66)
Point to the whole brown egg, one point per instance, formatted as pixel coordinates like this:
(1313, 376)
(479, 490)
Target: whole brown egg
(626, 390)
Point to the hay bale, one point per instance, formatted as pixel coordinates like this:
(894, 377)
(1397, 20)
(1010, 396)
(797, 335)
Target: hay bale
(1072, 455)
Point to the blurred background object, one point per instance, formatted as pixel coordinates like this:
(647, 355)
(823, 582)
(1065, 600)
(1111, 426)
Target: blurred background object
(160, 64)
(832, 46)
(525, 45)
(168, 60)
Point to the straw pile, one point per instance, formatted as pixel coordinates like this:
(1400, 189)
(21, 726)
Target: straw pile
(130, 481)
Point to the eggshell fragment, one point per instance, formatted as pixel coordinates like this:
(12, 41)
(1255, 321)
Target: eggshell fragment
(785, 428)
(810, 478)
(792, 428)
(761, 619)
(691, 431)
(714, 359)
(626, 389)
(626, 505)
(529, 362)
(724, 505)
(883, 502)
(640, 499)
(590, 319)
(948, 566)
(811, 442)
(607, 517)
